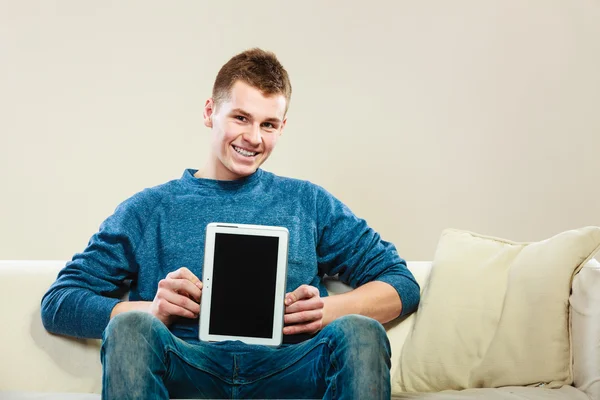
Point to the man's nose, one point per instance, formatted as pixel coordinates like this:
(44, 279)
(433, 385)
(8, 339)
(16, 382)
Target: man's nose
(253, 135)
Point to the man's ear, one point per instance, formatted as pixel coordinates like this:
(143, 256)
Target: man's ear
(209, 109)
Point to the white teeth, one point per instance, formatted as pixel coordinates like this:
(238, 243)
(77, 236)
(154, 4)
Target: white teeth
(244, 152)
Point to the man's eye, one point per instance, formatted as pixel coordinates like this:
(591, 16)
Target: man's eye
(241, 118)
(268, 125)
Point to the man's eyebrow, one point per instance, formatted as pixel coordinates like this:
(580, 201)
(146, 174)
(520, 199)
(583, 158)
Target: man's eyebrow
(240, 111)
(250, 116)
(273, 119)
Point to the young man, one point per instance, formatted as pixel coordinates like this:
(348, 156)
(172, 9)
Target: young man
(153, 245)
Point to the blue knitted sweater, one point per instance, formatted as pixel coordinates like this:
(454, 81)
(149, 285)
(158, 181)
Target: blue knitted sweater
(161, 229)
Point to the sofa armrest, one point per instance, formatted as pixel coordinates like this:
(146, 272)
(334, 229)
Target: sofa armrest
(32, 359)
(585, 329)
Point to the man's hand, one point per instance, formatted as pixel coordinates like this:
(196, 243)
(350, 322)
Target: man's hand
(178, 295)
(303, 311)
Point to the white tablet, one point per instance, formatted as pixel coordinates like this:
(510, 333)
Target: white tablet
(244, 278)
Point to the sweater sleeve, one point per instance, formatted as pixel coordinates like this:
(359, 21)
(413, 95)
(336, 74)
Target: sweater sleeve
(349, 248)
(80, 301)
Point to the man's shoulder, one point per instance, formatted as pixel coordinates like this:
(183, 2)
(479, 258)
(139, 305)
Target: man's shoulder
(285, 182)
(305, 189)
(150, 197)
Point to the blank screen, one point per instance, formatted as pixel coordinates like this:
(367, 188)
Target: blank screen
(243, 286)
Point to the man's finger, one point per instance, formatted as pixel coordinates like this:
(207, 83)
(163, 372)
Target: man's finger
(187, 288)
(180, 301)
(305, 305)
(181, 286)
(301, 328)
(170, 309)
(302, 292)
(303, 317)
(185, 273)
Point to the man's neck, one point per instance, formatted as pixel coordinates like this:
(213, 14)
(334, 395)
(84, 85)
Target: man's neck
(210, 172)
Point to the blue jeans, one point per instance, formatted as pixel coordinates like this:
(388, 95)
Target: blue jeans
(142, 359)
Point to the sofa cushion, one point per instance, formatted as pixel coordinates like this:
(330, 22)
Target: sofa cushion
(505, 393)
(48, 396)
(495, 313)
(508, 393)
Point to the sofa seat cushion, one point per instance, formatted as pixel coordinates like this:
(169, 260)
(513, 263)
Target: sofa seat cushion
(12, 395)
(505, 393)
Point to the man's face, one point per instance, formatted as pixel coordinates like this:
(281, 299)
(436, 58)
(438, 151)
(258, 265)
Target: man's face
(245, 130)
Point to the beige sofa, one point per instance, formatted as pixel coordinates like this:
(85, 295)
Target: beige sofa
(37, 365)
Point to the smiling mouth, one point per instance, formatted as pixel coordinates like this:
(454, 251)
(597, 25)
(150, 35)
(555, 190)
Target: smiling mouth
(243, 152)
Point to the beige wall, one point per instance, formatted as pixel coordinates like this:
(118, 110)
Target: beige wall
(420, 115)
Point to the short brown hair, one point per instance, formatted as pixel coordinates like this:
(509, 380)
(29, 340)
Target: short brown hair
(258, 68)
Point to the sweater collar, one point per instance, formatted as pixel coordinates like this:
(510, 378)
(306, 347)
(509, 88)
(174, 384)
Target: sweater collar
(245, 182)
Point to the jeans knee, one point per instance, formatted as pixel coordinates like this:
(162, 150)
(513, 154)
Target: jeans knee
(359, 357)
(358, 339)
(133, 356)
(359, 328)
(134, 332)
(129, 323)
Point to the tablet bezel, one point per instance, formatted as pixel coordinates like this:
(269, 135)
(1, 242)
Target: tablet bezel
(280, 283)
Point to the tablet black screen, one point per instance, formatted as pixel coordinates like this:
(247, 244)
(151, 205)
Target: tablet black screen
(243, 286)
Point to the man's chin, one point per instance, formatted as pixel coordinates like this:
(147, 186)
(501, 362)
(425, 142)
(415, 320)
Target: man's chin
(244, 172)
(241, 169)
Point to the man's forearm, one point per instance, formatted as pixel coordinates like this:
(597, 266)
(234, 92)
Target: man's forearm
(377, 300)
(125, 306)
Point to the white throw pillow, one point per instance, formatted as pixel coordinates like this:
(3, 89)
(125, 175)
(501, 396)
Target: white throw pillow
(495, 313)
